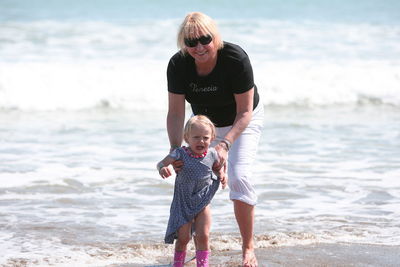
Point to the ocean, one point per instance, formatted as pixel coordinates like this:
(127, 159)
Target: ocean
(83, 101)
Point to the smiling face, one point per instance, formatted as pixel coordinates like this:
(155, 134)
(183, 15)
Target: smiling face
(203, 53)
(199, 138)
(194, 26)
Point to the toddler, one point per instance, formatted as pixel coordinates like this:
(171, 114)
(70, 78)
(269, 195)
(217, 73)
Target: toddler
(195, 186)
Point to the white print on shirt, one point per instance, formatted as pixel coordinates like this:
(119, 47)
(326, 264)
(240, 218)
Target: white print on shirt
(196, 89)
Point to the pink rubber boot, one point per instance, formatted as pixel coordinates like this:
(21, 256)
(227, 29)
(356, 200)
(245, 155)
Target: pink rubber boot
(179, 258)
(202, 258)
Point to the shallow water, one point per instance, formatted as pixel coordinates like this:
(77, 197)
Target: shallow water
(79, 185)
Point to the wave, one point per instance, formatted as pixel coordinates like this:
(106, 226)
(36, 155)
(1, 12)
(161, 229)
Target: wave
(141, 85)
(55, 65)
(266, 39)
(310, 83)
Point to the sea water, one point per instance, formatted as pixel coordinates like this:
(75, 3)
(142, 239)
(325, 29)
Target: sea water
(82, 124)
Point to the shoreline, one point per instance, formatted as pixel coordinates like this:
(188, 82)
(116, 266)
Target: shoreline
(320, 254)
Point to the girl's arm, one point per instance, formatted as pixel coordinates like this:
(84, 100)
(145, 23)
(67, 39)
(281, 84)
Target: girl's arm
(162, 167)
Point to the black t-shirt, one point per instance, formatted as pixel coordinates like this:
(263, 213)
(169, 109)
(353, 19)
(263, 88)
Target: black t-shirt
(213, 95)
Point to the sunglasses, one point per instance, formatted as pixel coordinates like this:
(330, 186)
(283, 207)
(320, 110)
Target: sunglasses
(204, 40)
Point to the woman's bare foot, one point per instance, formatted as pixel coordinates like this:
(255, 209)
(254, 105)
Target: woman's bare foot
(249, 258)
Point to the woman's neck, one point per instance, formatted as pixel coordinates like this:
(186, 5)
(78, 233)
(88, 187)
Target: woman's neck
(205, 68)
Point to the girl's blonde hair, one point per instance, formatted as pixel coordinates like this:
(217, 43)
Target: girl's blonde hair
(198, 119)
(196, 24)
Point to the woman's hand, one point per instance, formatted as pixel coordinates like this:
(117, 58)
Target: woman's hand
(222, 151)
(177, 165)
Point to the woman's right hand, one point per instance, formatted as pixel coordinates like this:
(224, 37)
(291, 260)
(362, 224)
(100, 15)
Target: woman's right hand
(177, 165)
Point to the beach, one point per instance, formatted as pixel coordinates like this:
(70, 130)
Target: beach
(315, 255)
(83, 103)
(320, 255)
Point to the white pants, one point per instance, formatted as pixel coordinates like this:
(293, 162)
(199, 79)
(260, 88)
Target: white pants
(241, 157)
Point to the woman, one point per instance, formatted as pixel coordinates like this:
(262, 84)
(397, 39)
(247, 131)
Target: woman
(216, 78)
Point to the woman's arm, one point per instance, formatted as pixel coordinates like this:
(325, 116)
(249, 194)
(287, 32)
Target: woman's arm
(244, 112)
(175, 119)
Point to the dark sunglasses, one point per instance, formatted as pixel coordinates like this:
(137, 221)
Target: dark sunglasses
(204, 40)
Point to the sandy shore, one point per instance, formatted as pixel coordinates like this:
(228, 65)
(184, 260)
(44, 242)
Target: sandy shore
(342, 255)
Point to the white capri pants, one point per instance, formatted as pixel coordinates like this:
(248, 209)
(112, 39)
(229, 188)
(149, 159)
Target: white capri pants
(241, 157)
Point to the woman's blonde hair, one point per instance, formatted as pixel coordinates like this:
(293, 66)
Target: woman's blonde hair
(196, 24)
(198, 119)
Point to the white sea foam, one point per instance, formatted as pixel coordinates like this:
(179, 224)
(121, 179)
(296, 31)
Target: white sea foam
(69, 86)
(319, 83)
(49, 65)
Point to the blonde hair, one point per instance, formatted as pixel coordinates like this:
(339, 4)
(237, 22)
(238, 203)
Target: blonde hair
(196, 24)
(198, 119)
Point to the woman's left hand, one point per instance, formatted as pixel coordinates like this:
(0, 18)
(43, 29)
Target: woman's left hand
(223, 156)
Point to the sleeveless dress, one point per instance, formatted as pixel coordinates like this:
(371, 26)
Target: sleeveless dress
(195, 186)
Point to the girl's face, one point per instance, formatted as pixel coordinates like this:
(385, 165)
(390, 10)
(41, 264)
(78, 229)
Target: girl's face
(199, 138)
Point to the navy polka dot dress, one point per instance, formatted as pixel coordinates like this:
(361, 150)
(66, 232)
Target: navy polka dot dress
(195, 186)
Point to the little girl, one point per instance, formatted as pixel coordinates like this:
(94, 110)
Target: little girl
(195, 186)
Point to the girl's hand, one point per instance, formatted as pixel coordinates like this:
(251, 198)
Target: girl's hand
(224, 180)
(223, 177)
(163, 166)
(221, 173)
(165, 172)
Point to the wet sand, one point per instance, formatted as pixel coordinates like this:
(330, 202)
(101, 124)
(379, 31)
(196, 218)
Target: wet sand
(321, 255)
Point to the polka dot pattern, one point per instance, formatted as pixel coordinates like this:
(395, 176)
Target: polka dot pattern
(195, 186)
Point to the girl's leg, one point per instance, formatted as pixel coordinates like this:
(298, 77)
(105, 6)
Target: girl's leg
(202, 258)
(202, 226)
(179, 258)
(181, 244)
